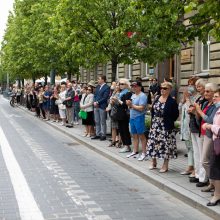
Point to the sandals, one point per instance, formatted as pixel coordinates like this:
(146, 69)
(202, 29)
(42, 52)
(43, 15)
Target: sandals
(112, 144)
(210, 188)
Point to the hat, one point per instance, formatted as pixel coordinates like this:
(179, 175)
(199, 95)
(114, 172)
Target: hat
(136, 83)
(92, 83)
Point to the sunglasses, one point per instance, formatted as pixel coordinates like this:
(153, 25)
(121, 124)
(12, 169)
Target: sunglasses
(164, 88)
(121, 84)
(208, 91)
(89, 89)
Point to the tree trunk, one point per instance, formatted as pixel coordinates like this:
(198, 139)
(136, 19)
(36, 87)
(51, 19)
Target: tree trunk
(114, 69)
(52, 76)
(69, 76)
(45, 76)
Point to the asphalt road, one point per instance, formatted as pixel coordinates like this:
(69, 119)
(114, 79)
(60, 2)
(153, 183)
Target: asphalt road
(47, 175)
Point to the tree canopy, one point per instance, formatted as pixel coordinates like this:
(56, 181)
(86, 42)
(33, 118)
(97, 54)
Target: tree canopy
(63, 35)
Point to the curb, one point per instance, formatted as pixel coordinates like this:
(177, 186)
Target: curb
(173, 189)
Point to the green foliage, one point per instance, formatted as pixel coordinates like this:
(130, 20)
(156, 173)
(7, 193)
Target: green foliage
(63, 35)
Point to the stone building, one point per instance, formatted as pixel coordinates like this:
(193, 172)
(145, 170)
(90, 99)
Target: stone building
(199, 59)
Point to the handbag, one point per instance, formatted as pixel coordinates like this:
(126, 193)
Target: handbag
(217, 144)
(83, 114)
(118, 113)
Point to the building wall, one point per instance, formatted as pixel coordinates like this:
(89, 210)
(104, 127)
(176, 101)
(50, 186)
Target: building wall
(181, 67)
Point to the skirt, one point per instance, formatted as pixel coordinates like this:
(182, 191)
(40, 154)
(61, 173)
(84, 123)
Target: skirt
(214, 165)
(89, 120)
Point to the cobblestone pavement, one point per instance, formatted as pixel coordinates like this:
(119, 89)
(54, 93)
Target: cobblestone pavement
(69, 181)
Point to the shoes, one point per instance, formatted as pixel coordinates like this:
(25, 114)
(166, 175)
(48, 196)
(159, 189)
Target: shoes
(112, 144)
(102, 138)
(118, 144)
(153, 166)
(192, 175)
(201, 184)
(89, 135)
(69, 126)
(213, 203)
(84, 135)
(132, 154)
(142, 157)
(193, 180)
(185, 172)
(163, 170)
(210, 188)
(185, 155)
(76, 123)
(95, 137)
(125, 149)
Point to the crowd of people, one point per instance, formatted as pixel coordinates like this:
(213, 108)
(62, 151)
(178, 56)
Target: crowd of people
(126, 104)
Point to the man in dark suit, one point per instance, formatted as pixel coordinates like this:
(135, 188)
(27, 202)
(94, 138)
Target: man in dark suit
(101, 97)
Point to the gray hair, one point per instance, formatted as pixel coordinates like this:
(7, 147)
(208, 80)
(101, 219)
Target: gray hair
(200, 82)
(125, 81)
(212, 86)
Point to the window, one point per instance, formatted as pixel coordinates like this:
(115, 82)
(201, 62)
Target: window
(205, 55)
(129, 71)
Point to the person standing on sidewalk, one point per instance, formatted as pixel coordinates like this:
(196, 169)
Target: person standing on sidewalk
(205, 114)
(197, 139)
(162, 138)
(185, 134)
(86, 104)
(137, 105)
(214, 158)
(69, 104)
(101, 97)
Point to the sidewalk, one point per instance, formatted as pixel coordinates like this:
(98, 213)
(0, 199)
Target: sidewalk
(171, 182)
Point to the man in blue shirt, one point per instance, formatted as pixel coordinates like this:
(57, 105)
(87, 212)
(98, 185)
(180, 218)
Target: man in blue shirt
(137, 105)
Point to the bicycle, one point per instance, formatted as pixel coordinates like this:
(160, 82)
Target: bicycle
(13, 100)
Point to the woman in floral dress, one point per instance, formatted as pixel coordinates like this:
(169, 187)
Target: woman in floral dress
(162, 137)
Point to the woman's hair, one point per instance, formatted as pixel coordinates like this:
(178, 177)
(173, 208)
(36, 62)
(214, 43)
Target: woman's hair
(218, 91)
(193, 80)
(90, 88)
(200, 82)
(212, 86)
(169, 84)
(125, 81)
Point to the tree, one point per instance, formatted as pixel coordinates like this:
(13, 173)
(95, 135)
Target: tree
(96, 31)
(205, 18)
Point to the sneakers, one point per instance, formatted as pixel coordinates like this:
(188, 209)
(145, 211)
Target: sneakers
(131, 154)
(125, 149)
(142, 157)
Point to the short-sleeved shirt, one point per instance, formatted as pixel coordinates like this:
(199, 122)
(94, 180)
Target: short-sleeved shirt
(139, 100)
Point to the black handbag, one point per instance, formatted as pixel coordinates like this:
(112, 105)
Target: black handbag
(118, 113)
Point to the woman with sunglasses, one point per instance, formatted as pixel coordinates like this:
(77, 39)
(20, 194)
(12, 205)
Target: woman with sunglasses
(122, 114)
(86, 104)
(162, 137)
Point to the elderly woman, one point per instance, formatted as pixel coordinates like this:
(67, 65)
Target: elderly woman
(162, 138)
(114, 123)
(215, 159)
(122, 114)
(86, 104)
(205, 114)
(197, 140)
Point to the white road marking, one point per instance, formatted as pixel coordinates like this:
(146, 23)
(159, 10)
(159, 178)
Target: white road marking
(27, 205)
